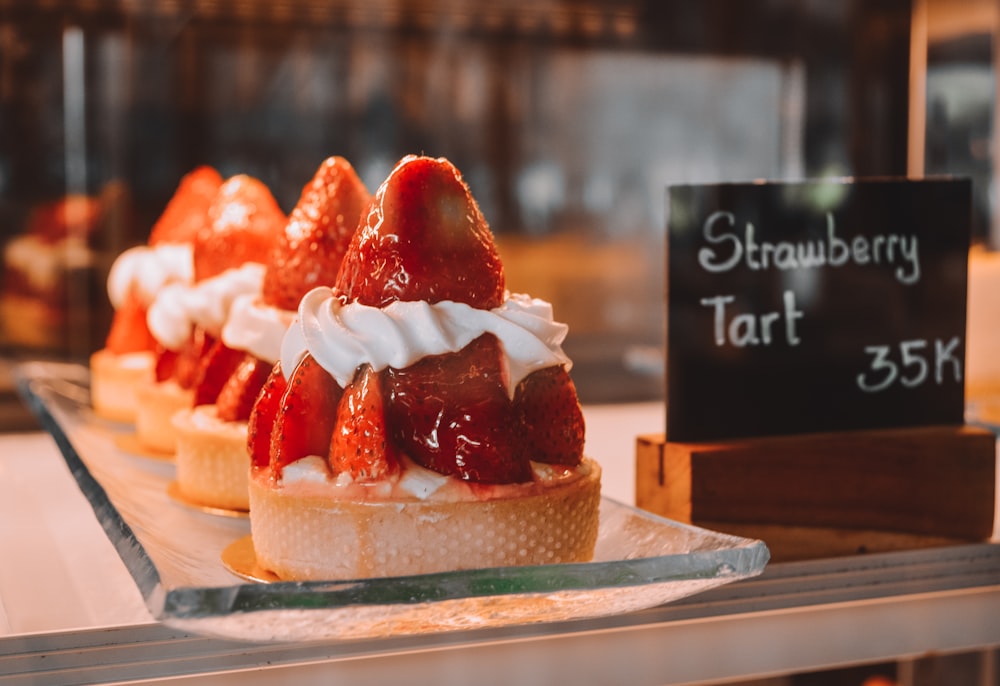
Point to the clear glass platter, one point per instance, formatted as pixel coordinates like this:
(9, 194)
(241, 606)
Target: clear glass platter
(174, 552)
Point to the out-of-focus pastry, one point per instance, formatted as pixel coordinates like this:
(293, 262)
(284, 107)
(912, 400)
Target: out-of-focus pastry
(212, 461)
(137, 275)
(49, 273)
(228, 256)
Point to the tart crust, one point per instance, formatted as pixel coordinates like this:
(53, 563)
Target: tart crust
(211, 458)
(301, 535)
(156, 404)
(113, 382)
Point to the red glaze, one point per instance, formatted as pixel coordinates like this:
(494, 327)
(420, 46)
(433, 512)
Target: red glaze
(244, 221)
(304, 423)
(549, 419)
(360, 445)
(309, 251)
(423, 238)
(451, 413)
(241, 389)
(262, 416)
(216, 366)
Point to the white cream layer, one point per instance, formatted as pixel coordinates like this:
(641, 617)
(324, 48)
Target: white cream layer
(178, 308)
(256, 327)
(145, 270)
(342, 336)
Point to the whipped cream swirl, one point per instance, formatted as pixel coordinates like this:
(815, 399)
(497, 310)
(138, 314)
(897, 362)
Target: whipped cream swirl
(147, 269)
(342, 336)
(178, 307)
(256, 327)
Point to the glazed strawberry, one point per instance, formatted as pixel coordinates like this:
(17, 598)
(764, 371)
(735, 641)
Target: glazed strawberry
(309, 251)
(304, 423)
(451, 413)
(165, 365)
(243, 222)
(129, 332)
(360, 445)
(217, 365)
(423, 237)
(187, 209)
(549, 418)
(261, 421)
(241, 389)
(186, 366)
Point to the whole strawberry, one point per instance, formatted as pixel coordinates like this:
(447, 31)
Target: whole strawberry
(423, 237)
(310, 249)
(243, 221)
(187, 210)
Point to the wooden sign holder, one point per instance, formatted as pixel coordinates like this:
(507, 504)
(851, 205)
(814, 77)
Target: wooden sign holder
(828, 494)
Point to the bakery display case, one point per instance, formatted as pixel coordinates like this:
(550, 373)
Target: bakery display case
(568, 120)
(111, 103)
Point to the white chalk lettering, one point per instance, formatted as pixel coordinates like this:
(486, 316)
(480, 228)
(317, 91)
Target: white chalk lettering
(911, 370)
(728, 248)
(748, 329)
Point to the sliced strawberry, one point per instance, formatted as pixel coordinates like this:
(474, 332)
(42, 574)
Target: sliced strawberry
(451, 413)
(217, 365)
(360, 445)
(549, 417)
(244, 221)
(261, 420)
(304, 423)
(186, 211)
(309, 251)
(188, 364)
(129, 332)
(238, 394)
(166, 363)
(423, 238)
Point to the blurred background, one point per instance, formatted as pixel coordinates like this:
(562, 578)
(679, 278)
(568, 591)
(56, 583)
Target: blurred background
(568, 119)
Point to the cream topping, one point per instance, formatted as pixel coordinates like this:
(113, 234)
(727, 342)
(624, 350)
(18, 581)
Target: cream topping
(147, 269)
(179, 307)
(256, 327)
(342, 336)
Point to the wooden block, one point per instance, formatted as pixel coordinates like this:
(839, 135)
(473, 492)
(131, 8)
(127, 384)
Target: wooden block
(933, 481)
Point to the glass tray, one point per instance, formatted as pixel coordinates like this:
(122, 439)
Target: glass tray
(173, 553)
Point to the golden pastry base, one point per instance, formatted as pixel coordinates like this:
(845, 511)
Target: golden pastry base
(177, 495)
(130, 443)
(240, 558)
(824, 495)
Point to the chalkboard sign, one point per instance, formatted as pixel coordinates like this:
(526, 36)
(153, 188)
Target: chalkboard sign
(816, 306)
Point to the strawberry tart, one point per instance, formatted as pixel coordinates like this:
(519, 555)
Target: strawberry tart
(137, 275)
(211, 457)
(228, 255)
(420, 418)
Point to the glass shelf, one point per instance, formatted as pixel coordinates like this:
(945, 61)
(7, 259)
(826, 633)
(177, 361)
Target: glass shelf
(173, 553)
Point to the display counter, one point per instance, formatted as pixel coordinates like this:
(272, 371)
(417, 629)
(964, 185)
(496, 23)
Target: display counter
(71, 613)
